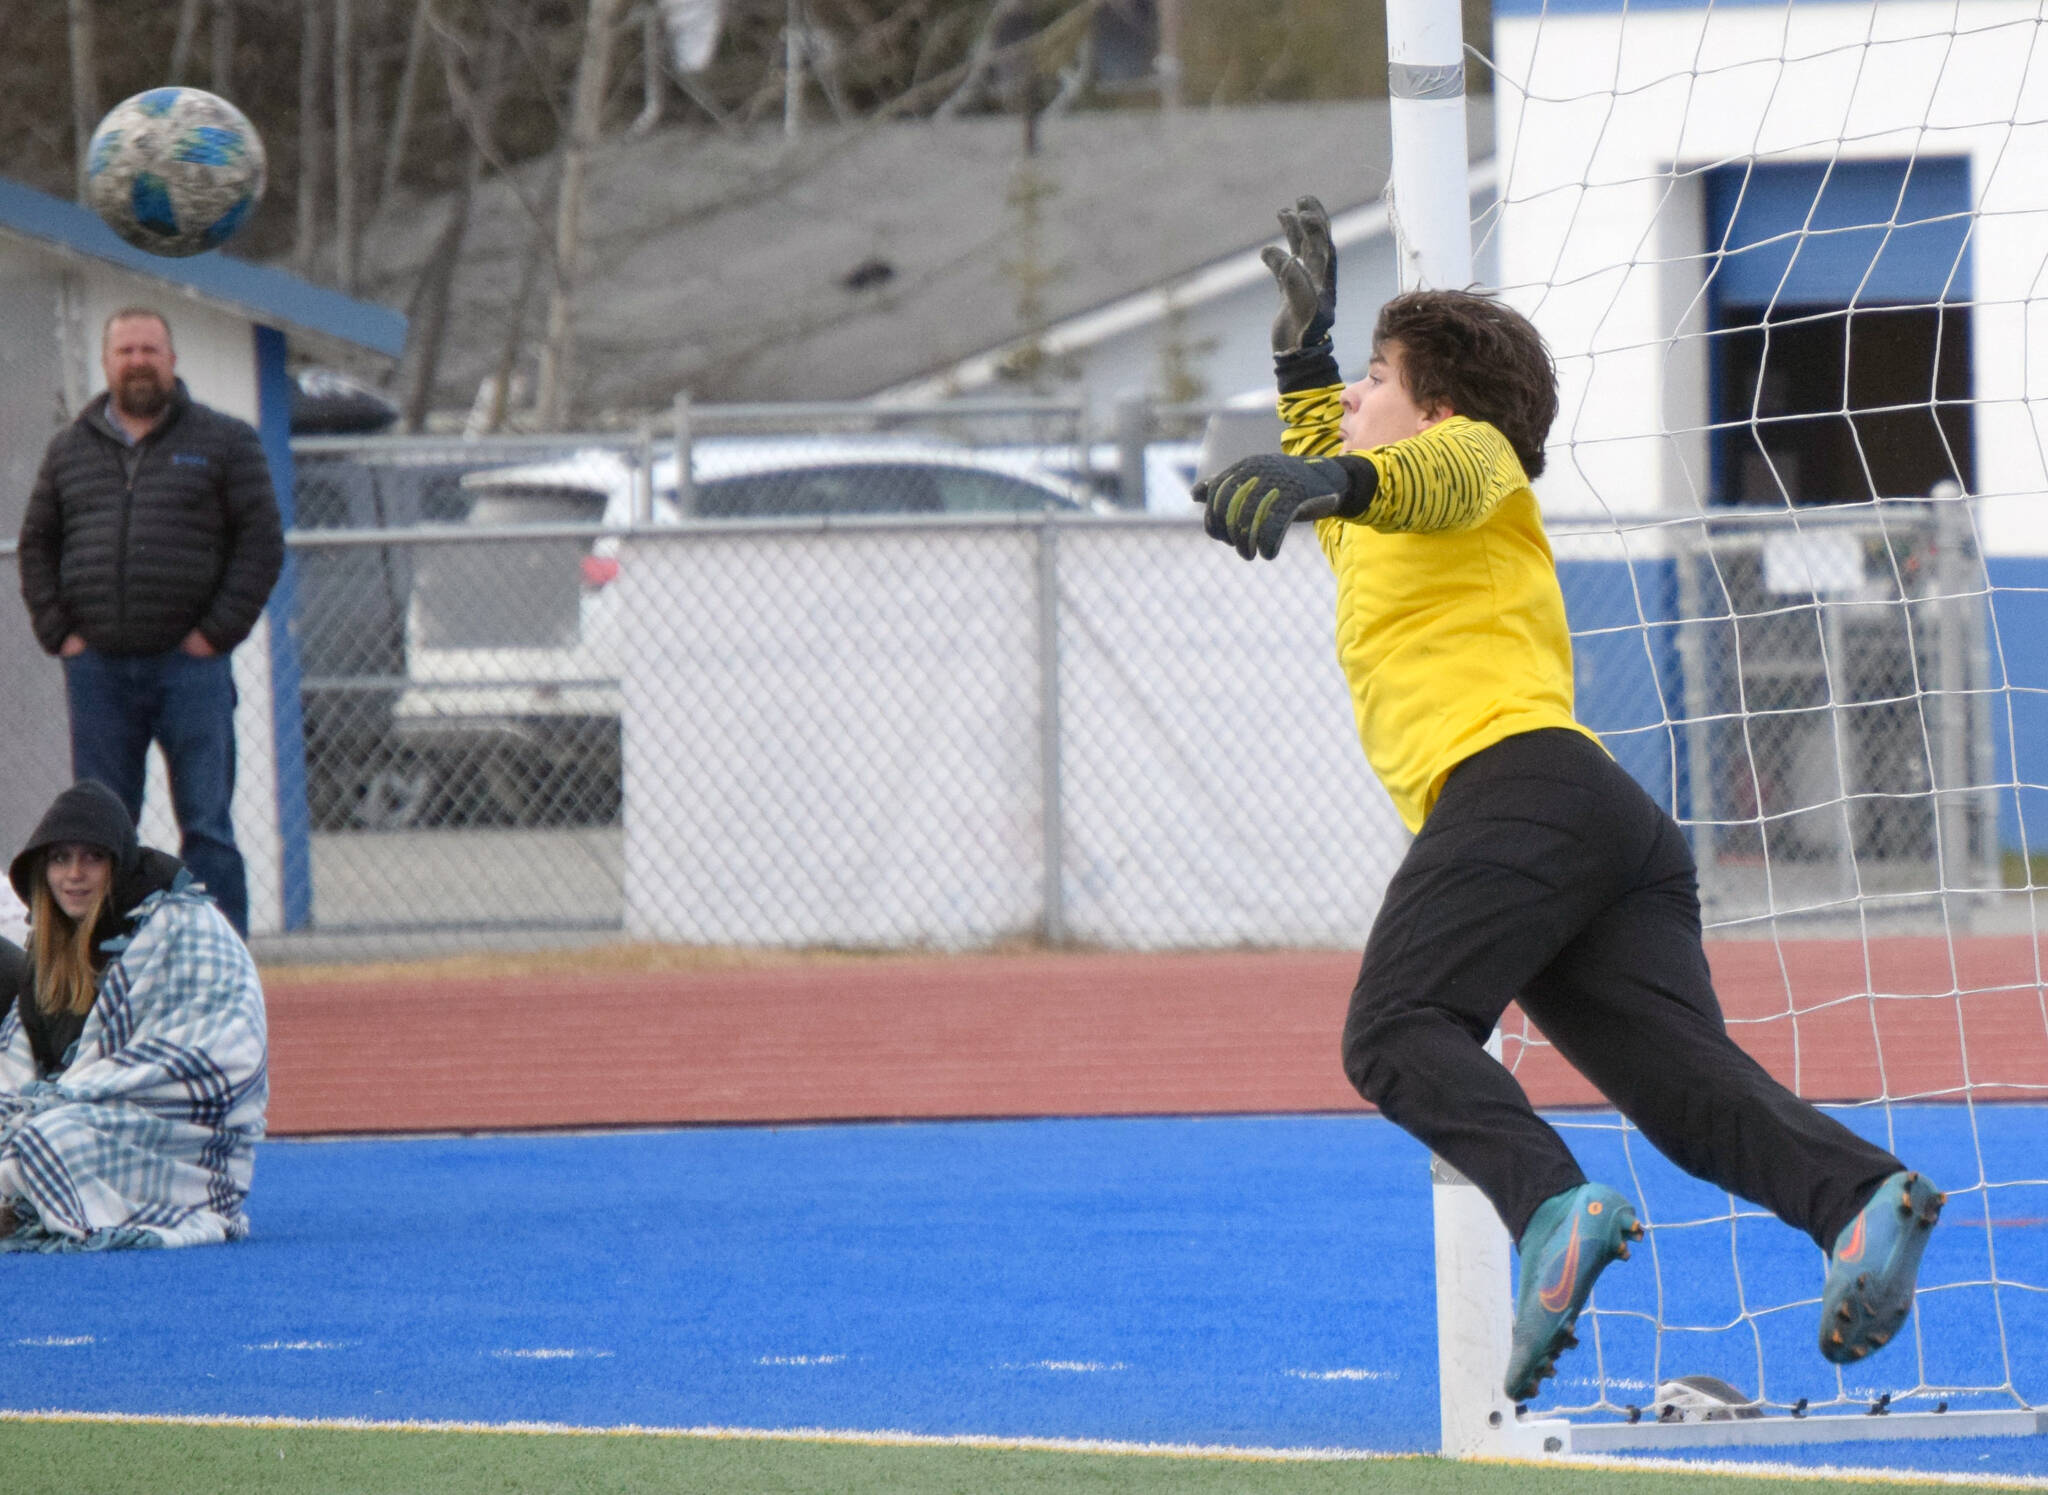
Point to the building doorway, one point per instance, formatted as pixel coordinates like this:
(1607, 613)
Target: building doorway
(1831, 405)
(1831, 687)
(1838, 309)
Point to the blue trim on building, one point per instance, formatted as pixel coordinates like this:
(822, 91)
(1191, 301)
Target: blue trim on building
(1800, 232)
(265, 295)
(1630, 685)
(274, 388)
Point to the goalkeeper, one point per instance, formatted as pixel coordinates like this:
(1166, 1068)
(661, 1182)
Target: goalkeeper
(1540, 871)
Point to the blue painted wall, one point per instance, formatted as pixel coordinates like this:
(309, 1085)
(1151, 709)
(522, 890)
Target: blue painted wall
(1816, 232)
(1630, 685)
(2019, 705)
(1627, 677)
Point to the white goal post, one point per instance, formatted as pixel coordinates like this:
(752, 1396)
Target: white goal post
(1430, 211)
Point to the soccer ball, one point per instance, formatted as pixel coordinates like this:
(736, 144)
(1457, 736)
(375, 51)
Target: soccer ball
(174, 171)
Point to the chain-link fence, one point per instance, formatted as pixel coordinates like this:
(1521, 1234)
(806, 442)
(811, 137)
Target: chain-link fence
(481, 641)
(1839, 706)
(877, 731)
(931, 686)
(472, 681)
(1811, 691)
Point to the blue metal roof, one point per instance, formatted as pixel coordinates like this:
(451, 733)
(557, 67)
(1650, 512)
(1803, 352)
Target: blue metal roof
(272, 298)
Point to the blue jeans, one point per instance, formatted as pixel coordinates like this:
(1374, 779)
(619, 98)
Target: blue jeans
(119, 703)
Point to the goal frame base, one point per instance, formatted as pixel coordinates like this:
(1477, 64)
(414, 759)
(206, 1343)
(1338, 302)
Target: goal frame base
(1538, 1437)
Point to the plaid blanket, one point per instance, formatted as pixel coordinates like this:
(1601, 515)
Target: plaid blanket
(148, 1137)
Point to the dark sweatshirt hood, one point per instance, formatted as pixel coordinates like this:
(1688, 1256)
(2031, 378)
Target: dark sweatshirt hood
(89, 813)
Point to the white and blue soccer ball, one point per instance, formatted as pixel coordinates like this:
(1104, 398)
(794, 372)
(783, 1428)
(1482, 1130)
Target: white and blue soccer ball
(175, 171)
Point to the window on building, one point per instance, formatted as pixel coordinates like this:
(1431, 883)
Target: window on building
(1839, 303)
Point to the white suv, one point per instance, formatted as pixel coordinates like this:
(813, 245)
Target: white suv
(513, 646)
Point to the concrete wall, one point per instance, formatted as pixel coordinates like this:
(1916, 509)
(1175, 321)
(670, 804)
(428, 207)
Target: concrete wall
(837, 738)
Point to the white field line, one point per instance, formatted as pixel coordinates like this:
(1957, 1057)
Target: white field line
(889, 1438)
(547, 1354)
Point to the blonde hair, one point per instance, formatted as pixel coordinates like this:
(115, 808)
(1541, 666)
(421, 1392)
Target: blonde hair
(60, 948)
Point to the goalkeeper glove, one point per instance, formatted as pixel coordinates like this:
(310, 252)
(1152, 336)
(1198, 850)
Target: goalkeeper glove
(1250, 503)
(1307, 272)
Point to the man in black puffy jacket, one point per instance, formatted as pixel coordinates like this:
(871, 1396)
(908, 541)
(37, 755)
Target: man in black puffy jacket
(149, 548)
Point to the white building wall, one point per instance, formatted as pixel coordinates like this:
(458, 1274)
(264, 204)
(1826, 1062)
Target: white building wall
(1601, 240)
(217, 360)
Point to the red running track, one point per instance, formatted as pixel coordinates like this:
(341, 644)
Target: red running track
(1059, 1034)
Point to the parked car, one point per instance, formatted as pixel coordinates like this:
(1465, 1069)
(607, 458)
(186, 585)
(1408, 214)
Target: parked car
(739, 478)
(350, 624)
(513, 647)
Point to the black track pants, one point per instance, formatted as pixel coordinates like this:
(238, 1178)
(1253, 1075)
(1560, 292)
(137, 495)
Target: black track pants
(1545, 873)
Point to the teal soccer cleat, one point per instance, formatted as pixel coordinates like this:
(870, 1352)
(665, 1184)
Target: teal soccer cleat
(1572, 1238)
(1875, 1263)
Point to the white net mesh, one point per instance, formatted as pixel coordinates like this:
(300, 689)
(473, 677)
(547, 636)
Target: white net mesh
(1789, 259)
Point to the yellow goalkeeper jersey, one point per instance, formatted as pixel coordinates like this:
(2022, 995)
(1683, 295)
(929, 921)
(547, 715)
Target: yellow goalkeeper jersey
(1450, 623)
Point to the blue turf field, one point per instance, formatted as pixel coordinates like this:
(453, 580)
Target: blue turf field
(1257, 1281)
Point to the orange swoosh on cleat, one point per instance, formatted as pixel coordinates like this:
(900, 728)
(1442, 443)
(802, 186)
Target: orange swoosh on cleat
(1557, 1297)
(1854, 1250)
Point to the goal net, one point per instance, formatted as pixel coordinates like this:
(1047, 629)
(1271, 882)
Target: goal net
(1792, 259)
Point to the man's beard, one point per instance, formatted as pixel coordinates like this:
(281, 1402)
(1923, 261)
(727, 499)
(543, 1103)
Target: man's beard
(142, 395)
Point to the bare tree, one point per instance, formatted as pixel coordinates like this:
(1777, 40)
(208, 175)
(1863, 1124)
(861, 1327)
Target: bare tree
(651, 84)
(85, 86)
(224, 48)
(586, 118)
(311, 33)
(188, 32)
(1168, 65)
(515, 321)
(401, 115)
(345, 239)
(793, 68)
(478, 104)
(987, 53)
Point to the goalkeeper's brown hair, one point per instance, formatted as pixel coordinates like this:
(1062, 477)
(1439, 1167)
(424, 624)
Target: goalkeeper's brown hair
(1479, 357)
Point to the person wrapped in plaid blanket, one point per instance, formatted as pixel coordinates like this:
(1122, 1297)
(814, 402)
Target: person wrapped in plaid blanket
(133, 1055)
